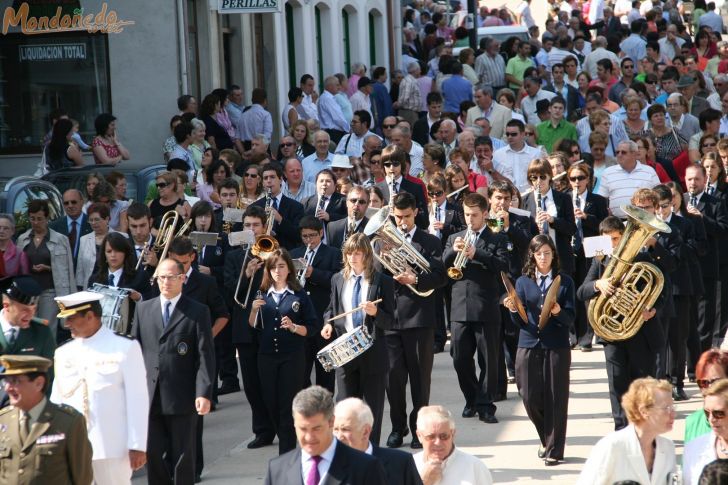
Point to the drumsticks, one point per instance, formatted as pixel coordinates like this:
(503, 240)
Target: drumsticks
(340, 315)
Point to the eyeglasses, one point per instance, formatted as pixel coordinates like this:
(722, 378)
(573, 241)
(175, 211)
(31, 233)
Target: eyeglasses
(529, 133)
(717, 414)
(621, 152)
(435, 194)
(534, 178)
(388, 127)
(441, 437)
(70, 202)
(165, 277)
(287, 144)
(252, 175)
(392, 164)
(577, 178)
(668, 409)
(707, 145)
(511, 133)
(358, 201)
(162, 185)
(706, 383)
(309, 235)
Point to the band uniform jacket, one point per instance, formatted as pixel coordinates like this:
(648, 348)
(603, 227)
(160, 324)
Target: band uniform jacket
(521, 229)
(412, 310)
(336, 208)
(348, 467)
(475, 296)
(180, 359)
(286, 231)
(451, 224)
(596, 209)
(564, 227)
(680, 278)
(326, 263)
(422, 220)
(56, 451)
(555, 334)
(399, 466)
(234, 273)
(337, 231)
(299, 308)
(203, 289)
(103, 377)
(214, 258)
(375, 359)
(715, 220)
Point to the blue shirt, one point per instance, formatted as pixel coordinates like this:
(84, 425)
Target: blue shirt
(234, 112)
(331, 116)
(312, 166)
(634, 47)
(255, 121)
(456, 90)
(381, 104)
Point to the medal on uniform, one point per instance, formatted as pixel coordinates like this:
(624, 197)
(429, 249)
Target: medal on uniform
(182, 348)
(296, 305)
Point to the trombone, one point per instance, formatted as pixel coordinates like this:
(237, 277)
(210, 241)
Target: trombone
(263, 247)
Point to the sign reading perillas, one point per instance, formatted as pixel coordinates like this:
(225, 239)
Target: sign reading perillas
(249, 6)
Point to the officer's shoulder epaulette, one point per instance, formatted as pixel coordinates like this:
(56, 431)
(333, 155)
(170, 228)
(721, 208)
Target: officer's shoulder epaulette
(118, 334)
(64, 343)
(6, 410)
(68, 409)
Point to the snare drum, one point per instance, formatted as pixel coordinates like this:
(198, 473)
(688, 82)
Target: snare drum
(114, 307)
(345, 348)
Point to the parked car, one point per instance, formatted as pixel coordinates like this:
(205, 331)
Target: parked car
(138, 180)
(501, 34)
(19, 191)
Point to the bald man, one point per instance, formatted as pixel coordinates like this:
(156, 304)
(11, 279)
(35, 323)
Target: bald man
(352, 426)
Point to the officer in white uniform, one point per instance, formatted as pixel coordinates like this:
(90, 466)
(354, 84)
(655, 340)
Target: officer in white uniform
(102, 375)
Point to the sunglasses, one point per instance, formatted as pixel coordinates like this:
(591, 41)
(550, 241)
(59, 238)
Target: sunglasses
(70, 202)
(577, 178)
(715, 413)
(529, 133)
(392, 164)
(388, 127)
(621, 152)
(287, 144)
(435, 194)
(252, 175)
(162, 185)
(358, 201)
(709, 145)
(511, 133)
(533, 178)
(705, 383)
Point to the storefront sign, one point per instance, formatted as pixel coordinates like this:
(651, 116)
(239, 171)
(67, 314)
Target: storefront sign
(249, 6)
(105, 21)
(51, 52)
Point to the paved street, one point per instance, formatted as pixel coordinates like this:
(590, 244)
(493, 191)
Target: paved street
(508, 448)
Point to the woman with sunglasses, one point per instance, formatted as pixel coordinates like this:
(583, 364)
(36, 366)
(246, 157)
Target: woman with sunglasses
(375, 166)
(571, 149)
(711, 367)
(637, 453)
(646, 155)
(168, 199)
(589, 210)
(712, 446)
(715, 172)
(251, 189)
(544, 354)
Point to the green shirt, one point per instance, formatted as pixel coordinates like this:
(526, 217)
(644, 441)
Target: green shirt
(547, 135)
(696, 425)
(516, 67)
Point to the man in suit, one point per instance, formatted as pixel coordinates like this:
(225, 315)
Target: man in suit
(322, 263)
(117, 407)
(327, 205)
(410, 341)
(321, 455)
(474, 314)
(715, 219)
(486, 107)
(421, 128)
(140, 230)
(352, 426)
(238, 273)
(393, 160)
(65, 455)
(285, 211)
(75, 223)
(202, 289)
(357, 203)
(176, 338)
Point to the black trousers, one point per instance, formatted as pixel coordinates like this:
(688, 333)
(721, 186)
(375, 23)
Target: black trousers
(677, 340)
(693, 353)
(722, 301)
(626, 361)
(323, 378)
(483, 339)
(170, 447)
(440, 318)
(507, 357)
(708, 326)
(542, 376)
(355, 381)
(248, 356)
(227, 366)
(584, 331)
(281, 378)
(410, 356)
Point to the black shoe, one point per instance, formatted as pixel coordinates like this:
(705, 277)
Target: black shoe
(260, 442)
(415, 445)
(396, 438)
(228, 389)
(550, 461)
(500, 397)
(541, 452)
(487, 418)
(468, 412)
(198, 478)
(678, 394)
(437, 348)
(585, 348)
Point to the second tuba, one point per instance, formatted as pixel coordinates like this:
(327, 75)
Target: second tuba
(638, 285)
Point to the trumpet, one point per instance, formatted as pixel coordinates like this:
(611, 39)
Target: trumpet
(455, 272)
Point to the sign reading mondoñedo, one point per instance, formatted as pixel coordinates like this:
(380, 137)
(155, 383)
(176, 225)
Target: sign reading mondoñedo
(249, 6)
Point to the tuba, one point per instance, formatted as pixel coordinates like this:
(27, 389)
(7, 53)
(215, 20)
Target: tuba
(394, 252)
(619, 316)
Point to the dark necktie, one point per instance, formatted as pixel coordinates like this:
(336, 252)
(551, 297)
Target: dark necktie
(11, 335)
(165, 316)
(545, 225)
(710, 190)
(73, 236)
(356, 317)
(313, 474)
(543, 284)
(275, 203)
(111, 279)
(579, 236)
(693, 201)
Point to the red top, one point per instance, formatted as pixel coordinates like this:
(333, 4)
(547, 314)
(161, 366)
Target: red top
(476, 180)
(112, 151)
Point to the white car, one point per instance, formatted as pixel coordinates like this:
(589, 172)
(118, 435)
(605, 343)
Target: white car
(501, 34)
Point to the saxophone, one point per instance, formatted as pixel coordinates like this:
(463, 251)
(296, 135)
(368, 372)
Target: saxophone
(619, 316)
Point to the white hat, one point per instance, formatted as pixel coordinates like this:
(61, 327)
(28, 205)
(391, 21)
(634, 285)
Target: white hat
(75, 302)
(341, 161)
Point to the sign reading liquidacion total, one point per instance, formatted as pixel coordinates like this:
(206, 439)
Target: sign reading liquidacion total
(249, 6)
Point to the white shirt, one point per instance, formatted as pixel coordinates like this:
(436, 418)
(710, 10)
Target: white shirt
(528, 105)
(352, 145)
(163, 301)
(513, 164)
(109, 371)
(460, 468)
(323, 467)
(360, 101)
(416, 154)
(551, 210)
(347, 293)
(309, 108)
(549, 279)
(441, 211)
(117, 275)
(6, 326)
(278, 295)
(618, 185)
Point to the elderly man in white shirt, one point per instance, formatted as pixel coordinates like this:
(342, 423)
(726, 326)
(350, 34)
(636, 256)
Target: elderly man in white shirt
(440, 462)
(402, 137)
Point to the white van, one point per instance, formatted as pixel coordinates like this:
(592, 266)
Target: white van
(501, 34)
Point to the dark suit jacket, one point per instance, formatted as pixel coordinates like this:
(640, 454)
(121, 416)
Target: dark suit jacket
(180, 359)
(374, 360)
(572, 97)
(452, 223)
(715, 220)
(286, 231)
(521, 230)
(422, 219)
(234, 273)
(696, 248)
(475, 296)
(399, 466)
(698, 106)
(336, 208)
(214, 258)
(326, 263)
(563, 225)
(349, 467)
(680, 278)
(336, 231)
(299, 308)
(596, 209)
(60, 225)
(421, 131)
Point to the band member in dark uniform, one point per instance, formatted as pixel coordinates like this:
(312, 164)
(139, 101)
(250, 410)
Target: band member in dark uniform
(244, 338)
(589, 210)
(519, 230)
(285, 211)
(357, 203)
(357, 285)
(553, 211)
(229, 191)
(474, 315)
(393, 161)
(140, 233)
(284, 316)
(322, 262)
(544, 355)
(411, 339)
(327, 205)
